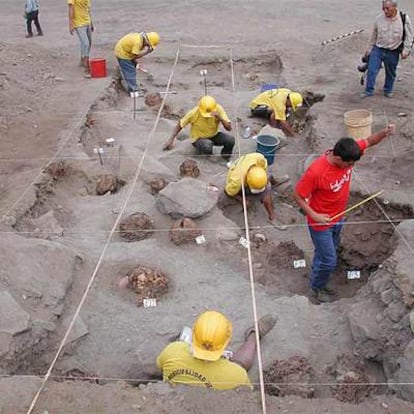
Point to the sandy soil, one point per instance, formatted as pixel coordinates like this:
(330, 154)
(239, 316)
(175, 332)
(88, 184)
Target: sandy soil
(51, 119)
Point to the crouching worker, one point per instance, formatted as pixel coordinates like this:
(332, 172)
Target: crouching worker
(274, 105)
(251, 170)
(200, 361)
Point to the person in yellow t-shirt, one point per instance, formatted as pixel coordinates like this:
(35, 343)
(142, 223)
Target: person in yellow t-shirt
(80, 21)
(201, 363)
(252, 170)
(205, 119)
(274, 104)
(129, 49)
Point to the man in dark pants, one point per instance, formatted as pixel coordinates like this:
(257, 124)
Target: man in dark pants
(205, 119)
(386, 45)
(322, 193)
(32, 15)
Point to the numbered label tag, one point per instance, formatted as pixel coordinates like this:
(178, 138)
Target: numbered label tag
(299, 263)
(354, 274)
(244, 242)
(149, 302)
(200, 239)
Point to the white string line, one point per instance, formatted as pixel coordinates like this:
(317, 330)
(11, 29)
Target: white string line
(249, 253)
(95, 272)
(168, 155)
(156, 381)
(204, 229)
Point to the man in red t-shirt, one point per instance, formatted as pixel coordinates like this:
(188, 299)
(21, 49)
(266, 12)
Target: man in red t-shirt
(323, 192)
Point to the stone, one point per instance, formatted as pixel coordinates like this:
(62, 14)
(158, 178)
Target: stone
(405, 374)
(48, 225)
(412, 321)
(14, 319)
(227, 235)
(79, 329)
(395, 311)
(187, 198)
(156, 185)
(107, 183)
(387, 296)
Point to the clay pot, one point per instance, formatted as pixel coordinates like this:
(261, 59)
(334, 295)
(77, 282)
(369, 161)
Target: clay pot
(189, 168)
(136, 227)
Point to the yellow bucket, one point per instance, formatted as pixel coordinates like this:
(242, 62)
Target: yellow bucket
(358, 123)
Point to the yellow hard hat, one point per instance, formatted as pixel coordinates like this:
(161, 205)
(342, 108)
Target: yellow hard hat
(207, 105)
(256, 179)
(153, 39)
(296, 100)
(211, 334)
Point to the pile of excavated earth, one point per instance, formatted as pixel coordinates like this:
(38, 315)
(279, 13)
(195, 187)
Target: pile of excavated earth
(91, 203)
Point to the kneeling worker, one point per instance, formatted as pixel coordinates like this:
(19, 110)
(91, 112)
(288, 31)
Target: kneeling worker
(251, 169)
(274, 105)
(205, 120)
(201, 363)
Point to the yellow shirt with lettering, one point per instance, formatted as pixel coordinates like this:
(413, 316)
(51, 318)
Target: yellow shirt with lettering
(180, 367)
(202, 127)
(237, 172)
(81, 12)
(274, 99)
(129, 46)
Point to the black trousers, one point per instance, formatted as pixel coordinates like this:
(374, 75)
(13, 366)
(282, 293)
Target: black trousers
(205, 145)
(33, 17)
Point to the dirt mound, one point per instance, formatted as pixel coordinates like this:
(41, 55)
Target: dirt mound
(57, 169)
(189, 168)
(284, 254)
(290, 377)
(184, 230)
(146, 282)
(137, 226)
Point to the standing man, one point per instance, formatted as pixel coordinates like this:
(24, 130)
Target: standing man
(322, 192)
(201, 363)
(205, 120)
(251, 171)
(274, 105)
(80, 21)
(129, 49)
(32, 15)
(392, 35)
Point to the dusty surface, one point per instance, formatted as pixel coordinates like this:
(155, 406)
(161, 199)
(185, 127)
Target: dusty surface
(57, 233)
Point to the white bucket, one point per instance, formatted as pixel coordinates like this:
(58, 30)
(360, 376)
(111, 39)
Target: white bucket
(358, 123)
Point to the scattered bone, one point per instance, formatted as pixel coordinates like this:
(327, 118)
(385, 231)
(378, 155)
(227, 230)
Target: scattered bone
(189, 168)
(184, 230)
(137, 226)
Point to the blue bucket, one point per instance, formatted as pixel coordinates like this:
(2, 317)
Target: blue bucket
(268, 86)
(267, 146)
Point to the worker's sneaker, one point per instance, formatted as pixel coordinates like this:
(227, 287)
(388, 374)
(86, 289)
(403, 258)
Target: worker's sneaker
(321, 296)
(277, 225)
(388, 94)
(366, 94)
(87, 74)
(229, 164)
(265, 324)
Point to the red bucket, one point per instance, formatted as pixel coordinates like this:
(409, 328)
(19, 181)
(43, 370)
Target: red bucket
(97, 67)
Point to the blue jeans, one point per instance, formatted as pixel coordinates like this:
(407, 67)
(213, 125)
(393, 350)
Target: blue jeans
(324, 259)
(129, 72)
(85, 37)
(390, 59)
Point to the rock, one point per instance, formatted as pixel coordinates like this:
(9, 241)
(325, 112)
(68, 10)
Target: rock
(412, 321)
(48, 225)
(387, 296)
(184, 230)
(137, 226)
(186, 198)
(14, 319)
(78, 330)
(227, 235)
(189, 168)
(405, 374)
(395, 311)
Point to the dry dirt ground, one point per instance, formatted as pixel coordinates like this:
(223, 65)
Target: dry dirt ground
(351, 356)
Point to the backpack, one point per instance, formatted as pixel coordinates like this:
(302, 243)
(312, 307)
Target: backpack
(400, 48)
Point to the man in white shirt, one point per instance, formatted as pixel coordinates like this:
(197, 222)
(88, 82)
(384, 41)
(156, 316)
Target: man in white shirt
(390, 38)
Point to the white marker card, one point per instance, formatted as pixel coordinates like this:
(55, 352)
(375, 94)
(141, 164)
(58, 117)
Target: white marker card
(244, 242)
(149, 302)
(299, 263)
(200, 239)
(353, 274)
